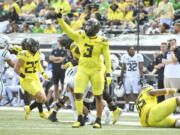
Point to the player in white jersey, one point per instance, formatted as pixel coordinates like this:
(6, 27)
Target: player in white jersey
(132, 65)
(4, 57)
(68, 94)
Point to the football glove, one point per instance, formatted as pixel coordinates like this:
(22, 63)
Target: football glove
(45, 76)
(59, 14)
(69, 64)
(120, 80)
(108, 79)
(141, 81)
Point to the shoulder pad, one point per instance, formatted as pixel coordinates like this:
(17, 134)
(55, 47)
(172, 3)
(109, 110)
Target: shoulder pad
(23, 53)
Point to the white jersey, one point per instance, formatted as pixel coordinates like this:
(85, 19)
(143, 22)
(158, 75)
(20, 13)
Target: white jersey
(4, 56)
(132, 64)
(7, 78)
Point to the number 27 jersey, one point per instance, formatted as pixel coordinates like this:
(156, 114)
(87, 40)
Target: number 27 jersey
(132, 64)
(31, 63)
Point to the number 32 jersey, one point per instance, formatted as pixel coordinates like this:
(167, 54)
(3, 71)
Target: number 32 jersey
(132, 64)
(31, 63)
(144, 103)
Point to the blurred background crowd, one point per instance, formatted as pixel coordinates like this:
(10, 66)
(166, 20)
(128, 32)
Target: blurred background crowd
(116, 16)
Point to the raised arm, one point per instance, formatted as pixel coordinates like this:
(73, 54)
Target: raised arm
(73, 35)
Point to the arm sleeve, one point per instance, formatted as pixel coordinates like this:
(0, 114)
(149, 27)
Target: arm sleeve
(73, 35)
(107, 57)
(7, 55)
(140, 58)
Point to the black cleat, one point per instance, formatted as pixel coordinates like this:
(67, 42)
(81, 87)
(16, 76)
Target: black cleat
(52, 117)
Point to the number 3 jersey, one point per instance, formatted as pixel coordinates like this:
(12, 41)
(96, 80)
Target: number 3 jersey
(144, 103)
(132, 64)
(31, 63)
(90, 48)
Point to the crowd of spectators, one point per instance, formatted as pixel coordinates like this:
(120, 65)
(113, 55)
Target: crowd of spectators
(40, 16)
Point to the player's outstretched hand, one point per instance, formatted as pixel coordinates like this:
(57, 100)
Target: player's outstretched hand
(60, 12)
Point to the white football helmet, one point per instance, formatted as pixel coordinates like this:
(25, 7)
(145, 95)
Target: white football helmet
(4, 41)
(119, 90)
(114, 61)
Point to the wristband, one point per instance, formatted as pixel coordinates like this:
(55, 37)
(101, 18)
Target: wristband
(167, 92)
(108, 75)
(22, 75)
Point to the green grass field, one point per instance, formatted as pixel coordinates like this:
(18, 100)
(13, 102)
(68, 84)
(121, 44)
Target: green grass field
(12, 122)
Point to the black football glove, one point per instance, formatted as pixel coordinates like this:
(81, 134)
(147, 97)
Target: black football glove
(59, 14)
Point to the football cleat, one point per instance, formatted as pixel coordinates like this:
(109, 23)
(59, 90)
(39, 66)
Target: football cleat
(52, 118)
(43, 115)
(79, 123)
(116, 115)
(96, 125)
(27, 112)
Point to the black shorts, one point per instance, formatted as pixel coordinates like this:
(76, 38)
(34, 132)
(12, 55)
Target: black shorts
(58, 76)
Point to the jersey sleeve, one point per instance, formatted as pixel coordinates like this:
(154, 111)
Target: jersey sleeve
(67, 29)
(140, 58)
(22, 55)
(7, 56)
(106, 55)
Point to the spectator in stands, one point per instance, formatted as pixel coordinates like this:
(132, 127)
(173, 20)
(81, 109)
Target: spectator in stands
(43, 12)
(86, 14)
(3, 19)
(151, 15)
(13, 15)
(164, 28)
(25, 28)
(12, 27)
(53, 3)
(159, 68)
(37, 28)
(148, 3)
(103, 7)
(10, 3)
(76, 23)
(176, 4)
(165, 12)
(122, 5)
(52, 14)
(143, 15)
(128, 14)
(49, 28)
(27, 10)
(40, 6)
(115, 16)
(83, 3)
(153, 29)
(63, 4)
(177, 28)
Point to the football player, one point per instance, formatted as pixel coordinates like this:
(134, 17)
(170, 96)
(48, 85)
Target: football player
(115, 110)
(132, 65)
(26, 67)
(153, 114)
(90, 67)
(4, 57)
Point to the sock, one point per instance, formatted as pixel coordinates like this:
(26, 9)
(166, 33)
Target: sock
(79, 106)
(47, 106)
(75, 115)
(39, 105)
(33, 105)
(98, 120)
